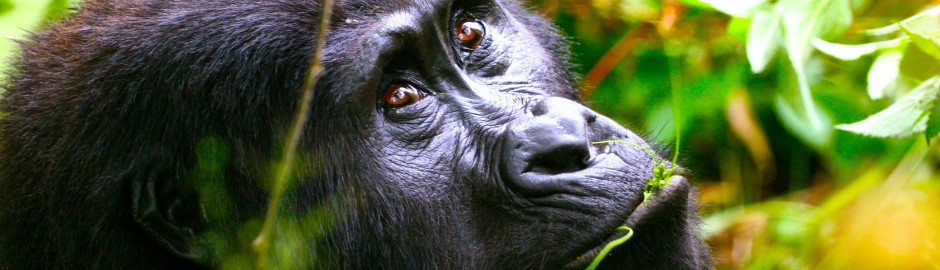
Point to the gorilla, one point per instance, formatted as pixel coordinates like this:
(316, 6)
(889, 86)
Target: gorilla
(443, 134)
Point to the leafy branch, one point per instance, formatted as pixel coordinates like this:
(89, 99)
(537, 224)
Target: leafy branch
(804, 23)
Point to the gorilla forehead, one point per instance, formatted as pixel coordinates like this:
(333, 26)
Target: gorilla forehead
(360, 5)
(379, 32)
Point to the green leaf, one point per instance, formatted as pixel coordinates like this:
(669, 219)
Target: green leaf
(738, 27)
(852, 52)
(933, 121)
(802, 127)
(917, 66)
(923, 41)
(696, 4)
(56, 9)
(5, 5)
(884, 73)
(925, 21)
(904, 118)
(804, 20)
(736, 8)
(763, 37)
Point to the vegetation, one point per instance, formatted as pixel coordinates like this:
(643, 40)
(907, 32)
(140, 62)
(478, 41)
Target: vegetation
(806, 123)
(809, 125)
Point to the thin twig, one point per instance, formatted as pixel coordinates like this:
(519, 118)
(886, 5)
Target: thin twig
(262, 243)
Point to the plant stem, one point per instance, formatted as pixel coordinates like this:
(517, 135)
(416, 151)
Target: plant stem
(610, 246)
(262, 243)
(675, 83)
(647, 150)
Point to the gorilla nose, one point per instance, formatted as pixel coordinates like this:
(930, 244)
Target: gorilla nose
(555, 140)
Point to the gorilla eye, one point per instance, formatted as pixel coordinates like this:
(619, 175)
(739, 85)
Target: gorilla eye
(470, 34)
(400, 95)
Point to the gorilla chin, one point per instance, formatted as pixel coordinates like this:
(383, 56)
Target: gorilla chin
(444, 134)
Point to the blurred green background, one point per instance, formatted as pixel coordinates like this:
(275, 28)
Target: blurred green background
(781, 188)
(777, 193)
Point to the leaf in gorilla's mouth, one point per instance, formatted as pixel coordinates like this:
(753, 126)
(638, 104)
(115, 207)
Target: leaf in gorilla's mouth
(661, 173)
(660, 179)
(616, 239)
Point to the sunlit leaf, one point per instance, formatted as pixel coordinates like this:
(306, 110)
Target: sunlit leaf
(802, 127)
(763, 38)
(918, 66)
(853, 52)
(904, 118)
(736, 8)
(804, 20)
(923, 41)
(924, 21)
(884, 74)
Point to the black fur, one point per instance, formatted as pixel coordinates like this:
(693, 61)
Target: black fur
(124, 94)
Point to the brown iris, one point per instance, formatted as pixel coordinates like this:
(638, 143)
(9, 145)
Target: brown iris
(470, 34)
(401, 95)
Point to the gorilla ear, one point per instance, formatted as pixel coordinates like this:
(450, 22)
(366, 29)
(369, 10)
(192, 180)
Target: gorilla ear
(167, 213)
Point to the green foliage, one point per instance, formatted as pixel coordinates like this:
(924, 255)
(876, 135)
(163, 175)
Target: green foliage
(912, 113)
(797, 23)
(232, 245)
(829, 112)
(906, 117)
(5, 5)
(763, 37)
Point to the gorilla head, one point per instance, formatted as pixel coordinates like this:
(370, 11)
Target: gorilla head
(444, 134)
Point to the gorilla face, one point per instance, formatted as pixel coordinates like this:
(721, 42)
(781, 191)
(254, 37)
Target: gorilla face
(448, 134)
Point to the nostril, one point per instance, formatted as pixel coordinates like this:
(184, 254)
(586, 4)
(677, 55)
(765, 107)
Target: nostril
(555, 140)
(540, 108)
(590, 117)
(548, 145)
(560, 158)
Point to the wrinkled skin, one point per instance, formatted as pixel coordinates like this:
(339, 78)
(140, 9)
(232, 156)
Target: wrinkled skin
(492, 169)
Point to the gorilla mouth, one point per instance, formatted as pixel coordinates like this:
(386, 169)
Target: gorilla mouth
(673, 190)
